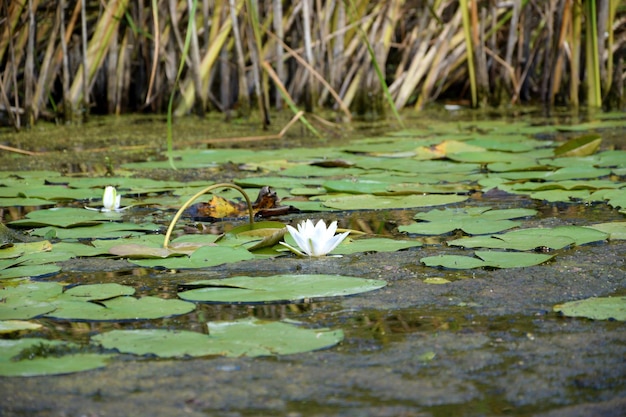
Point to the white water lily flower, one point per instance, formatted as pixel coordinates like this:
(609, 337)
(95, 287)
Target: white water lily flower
(315, 240)
(111, 200)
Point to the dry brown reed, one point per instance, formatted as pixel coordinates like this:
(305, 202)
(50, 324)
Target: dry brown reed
(62, 60)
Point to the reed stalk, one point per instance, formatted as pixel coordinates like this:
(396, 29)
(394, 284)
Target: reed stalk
(117, 56)
(467, 31)
(592, 60)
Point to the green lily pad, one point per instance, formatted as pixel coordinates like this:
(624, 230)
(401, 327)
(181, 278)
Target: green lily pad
(64, 217)
(374, 244)
(94, 302)
(372, 202)
(51, 365)
(472, 220)
(119, 308)
(203, 257)
(248, 337)
(515, 242)
(615, 230)
(244, 289)
(580, 235)
(490, 259)
(596, 308)
(533, 238)
(99, 231)
(32, 271)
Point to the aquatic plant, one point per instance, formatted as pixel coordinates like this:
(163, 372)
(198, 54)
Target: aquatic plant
(315, 240)
(111, 201)
(75, 57)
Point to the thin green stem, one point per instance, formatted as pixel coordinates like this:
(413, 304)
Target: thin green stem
(166, 240)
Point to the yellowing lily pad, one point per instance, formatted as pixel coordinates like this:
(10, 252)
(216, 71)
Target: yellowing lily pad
(580, 146)
(10, 326)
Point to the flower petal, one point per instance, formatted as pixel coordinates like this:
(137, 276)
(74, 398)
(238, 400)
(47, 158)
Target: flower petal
(335, 241)
(300, 238)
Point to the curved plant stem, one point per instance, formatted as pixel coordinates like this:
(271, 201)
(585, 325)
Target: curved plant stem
(166, 241)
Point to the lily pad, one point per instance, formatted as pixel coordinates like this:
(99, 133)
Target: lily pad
(32, 271)
(615, 230)
(517, 240)
(50, 365)
(28, 300)
(374, 244)
(580, 146)
(106, 230)
(204, 257)
(119, 308)
(596, 308)
(248, 337)
(276, 288)
(490, 259)
(94, 302)
(472, 220)
(10, 326)
(372, 202)
(64, 217)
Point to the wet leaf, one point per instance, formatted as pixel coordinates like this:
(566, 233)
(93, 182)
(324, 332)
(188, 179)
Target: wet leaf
(491, 259)
(472, 220)
(248, 337)
(28, 300)
(596, 308)
(32, 271)
(533, 238)
(65, 217)
(118, 308)
(94, 302)
(10, 326)
(371, 202)
(107, 230)
(374, 244)
(51, 365)
(201, 258)
(615, 230)
(244, 289)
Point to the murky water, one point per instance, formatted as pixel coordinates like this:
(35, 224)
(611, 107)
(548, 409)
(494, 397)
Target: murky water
(487, 343)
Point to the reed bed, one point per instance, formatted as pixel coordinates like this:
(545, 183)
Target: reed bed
(62, 60)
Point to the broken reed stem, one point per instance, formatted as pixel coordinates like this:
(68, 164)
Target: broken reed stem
(166, 240)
